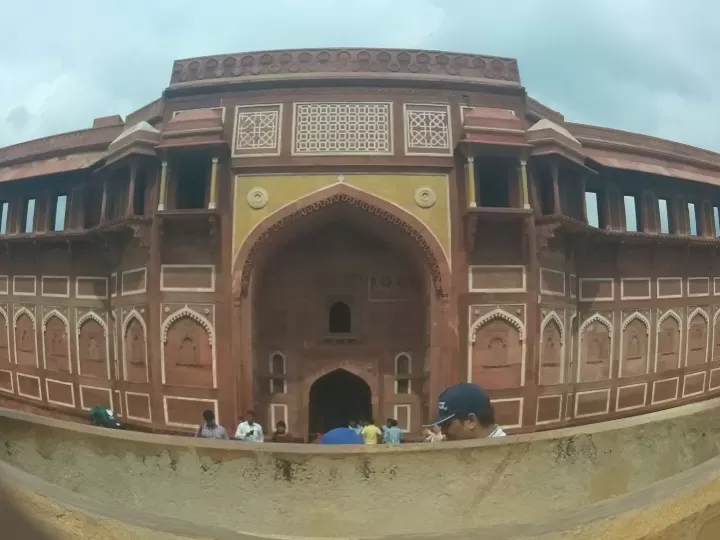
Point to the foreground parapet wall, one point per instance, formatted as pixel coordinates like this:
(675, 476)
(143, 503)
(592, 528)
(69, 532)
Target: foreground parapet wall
(525, 482)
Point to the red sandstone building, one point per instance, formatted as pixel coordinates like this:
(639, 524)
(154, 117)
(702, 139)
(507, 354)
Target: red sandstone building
(295, 231)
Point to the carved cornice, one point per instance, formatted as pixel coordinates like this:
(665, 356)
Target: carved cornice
(339, 62)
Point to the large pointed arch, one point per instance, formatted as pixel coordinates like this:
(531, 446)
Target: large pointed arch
(415, 230)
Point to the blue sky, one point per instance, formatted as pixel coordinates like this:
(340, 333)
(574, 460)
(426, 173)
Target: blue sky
(643, 65)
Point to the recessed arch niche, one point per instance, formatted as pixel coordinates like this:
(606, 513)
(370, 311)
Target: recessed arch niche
(497, 350)
(188, 350)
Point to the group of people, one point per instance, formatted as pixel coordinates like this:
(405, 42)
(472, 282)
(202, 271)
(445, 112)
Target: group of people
(464, 412)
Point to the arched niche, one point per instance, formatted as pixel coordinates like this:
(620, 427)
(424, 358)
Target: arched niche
(56, 343)
(188, 350)
(595, 349)
(497, 350)
(5, 357)
(697, 338)
(716, 338)
(635, 346)
(25, 343)
(552, 348)
(93, 346)
(135, 348)
(669, 335)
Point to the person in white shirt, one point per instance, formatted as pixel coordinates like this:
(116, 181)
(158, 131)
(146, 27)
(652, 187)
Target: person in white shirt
(249, 430)
(465, 412)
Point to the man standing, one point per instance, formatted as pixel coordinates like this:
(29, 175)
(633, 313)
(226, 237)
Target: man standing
(249, 430)
(392, 433)
(465, 412)
(209, 429)
(281, 434)
(371, 434)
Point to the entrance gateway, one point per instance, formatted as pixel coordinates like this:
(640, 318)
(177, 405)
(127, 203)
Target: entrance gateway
(341, 293)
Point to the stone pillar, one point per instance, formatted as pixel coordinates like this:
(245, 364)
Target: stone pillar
(556, 190)
(213, 184)
(524, 183)
(130, 210)
(103, 206)
(163, 186)
(470, 179)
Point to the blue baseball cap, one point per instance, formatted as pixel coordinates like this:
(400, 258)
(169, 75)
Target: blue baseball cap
(462, 400)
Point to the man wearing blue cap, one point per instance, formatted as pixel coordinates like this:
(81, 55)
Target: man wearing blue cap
(465, 412)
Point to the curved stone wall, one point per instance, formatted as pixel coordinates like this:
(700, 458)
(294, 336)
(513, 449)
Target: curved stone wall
(522, 485)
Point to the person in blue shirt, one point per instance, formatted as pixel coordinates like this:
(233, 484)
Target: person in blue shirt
(357, 428)
(392, 434)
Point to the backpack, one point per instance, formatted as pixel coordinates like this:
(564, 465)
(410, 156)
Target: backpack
(104, 417)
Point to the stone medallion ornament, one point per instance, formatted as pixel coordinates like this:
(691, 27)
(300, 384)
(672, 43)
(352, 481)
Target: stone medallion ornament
(257, 198)
(425, 197)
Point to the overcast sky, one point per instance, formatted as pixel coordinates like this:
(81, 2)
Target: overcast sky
(650, 66)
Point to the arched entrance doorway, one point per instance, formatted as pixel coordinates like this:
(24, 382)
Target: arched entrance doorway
(341, 279)
(337, 398)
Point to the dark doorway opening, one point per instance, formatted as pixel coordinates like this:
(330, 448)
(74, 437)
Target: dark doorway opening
(337, 398)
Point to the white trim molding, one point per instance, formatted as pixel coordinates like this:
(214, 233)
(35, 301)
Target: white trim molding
(631, 407)
(583, 298)
(53, 295)
(647, 280)
(12, 382)
(273, 416)
(34, 280)
(39, 386)
(549, 292)
(82, 399)
(98, 279)
(705, 280)
(62, 383)
(408, 355)
(5, 317)
(497, 290)
(408, 414)
(164, 288)
(212, 401)
(702, 375)
(127, 409)
(142, 271)
(521, 408)
(653, 401)
(539, 422)
(668, 279)
(606, 391)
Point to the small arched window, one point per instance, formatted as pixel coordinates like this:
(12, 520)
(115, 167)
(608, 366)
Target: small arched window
(402, 365)
(277, 364)
(339, 318)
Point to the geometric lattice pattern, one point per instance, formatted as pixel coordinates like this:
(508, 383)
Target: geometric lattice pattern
(342, 128)
(257, 130)
(427, 129)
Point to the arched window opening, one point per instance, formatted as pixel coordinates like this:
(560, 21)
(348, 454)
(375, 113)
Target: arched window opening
(339, 318)
(402, 373)
(278, 382)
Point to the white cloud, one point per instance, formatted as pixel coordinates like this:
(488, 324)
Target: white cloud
(647, 65)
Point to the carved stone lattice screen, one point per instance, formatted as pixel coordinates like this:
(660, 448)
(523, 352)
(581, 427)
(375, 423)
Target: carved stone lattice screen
(342, 128)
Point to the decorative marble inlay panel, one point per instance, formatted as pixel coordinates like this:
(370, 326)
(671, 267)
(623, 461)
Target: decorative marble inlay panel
(342, 128)
(427, 129)
(257, 130)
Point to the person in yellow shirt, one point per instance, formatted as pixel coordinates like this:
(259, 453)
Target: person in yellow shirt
(371, 434)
